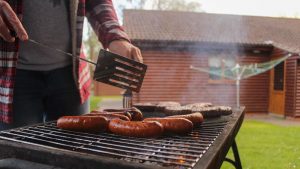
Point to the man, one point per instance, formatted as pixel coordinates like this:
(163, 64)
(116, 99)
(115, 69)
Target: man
(38, 84)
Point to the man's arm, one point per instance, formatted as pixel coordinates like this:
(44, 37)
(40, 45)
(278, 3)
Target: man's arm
(103, 18)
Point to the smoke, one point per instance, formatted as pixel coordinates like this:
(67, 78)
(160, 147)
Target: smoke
(217, 43)
(220, 54)
(202, 88)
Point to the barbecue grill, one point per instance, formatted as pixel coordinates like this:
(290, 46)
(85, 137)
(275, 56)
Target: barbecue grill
(205, 147)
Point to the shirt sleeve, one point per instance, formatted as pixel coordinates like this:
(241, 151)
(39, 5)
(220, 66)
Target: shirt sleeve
(103, 18)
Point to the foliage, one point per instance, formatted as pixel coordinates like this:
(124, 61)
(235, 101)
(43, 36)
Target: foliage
(263, 145)
(176, 5)
(94, 102)
(91, 43)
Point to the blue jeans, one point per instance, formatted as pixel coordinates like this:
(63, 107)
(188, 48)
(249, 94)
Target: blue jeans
(41, 96)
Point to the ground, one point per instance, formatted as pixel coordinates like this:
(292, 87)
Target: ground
(268, 143)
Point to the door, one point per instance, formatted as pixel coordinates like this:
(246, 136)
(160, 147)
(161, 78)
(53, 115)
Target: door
(277, 90)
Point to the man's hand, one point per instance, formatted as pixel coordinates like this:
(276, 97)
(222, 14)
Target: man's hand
(10, 21)
(124, 48)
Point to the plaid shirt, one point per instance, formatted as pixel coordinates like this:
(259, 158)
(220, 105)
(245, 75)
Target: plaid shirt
(103, 19)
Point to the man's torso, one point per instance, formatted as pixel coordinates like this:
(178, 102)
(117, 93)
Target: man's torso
(46, 21)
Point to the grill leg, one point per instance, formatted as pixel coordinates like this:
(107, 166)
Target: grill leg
(237, 162)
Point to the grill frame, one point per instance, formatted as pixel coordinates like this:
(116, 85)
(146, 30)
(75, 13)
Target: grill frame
(213, 158)
(216, 154)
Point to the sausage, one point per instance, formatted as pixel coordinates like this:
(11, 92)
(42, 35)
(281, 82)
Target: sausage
(195, 118)
(83, 123)
(135, 113)
(135, 128)
(109, 116)
(174, 125)
(127, 114)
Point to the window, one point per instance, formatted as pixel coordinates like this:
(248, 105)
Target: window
(215, 67)
(279, 77)
(219, 66)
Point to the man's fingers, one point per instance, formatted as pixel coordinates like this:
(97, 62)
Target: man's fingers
(12, 18)
(140, 56)
(4, 32)
(124, 48)
(136, 53)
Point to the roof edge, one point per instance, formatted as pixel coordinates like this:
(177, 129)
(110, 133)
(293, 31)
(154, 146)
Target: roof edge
(172, 45)
(193, 45)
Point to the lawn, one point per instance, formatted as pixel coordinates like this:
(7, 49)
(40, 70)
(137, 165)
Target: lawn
(95, 100)
(267, 146)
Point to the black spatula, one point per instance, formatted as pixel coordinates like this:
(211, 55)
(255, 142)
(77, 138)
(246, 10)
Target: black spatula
(119, 71)
(113, 69)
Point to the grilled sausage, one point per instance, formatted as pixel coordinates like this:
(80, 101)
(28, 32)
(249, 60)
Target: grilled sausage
(195, 118)
(109, 116)
(174, 125)
(135, 113)
(83, 123)
(127, 114)
(135, 128)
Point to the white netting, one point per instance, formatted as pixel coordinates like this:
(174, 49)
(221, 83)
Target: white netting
(239, 72)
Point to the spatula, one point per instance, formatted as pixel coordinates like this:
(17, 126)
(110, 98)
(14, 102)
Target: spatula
(119, 71)
(113, 69)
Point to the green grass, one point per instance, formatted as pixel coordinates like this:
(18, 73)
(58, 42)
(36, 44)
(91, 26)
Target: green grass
(95, 100)
(267, 146)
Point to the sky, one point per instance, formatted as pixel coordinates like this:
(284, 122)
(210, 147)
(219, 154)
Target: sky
(277, 8)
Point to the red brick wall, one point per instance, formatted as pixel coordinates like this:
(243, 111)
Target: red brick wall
(169, 78)
(101, 89)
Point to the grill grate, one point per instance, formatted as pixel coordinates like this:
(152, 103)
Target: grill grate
(173, 150)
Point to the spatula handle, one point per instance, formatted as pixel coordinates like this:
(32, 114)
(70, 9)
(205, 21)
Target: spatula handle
(127, 99)
(60, 51)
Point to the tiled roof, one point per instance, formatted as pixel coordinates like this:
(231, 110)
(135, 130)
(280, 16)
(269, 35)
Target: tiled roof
(206, 27)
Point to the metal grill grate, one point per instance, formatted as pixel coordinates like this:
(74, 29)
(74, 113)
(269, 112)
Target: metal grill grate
(179, 151)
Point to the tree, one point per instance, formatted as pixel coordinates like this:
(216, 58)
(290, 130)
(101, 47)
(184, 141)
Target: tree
(176, 5)
(91, 43)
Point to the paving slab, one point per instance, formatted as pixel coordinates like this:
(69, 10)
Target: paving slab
(108, 103)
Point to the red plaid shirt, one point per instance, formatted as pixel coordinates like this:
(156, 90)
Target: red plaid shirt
(103, 19)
